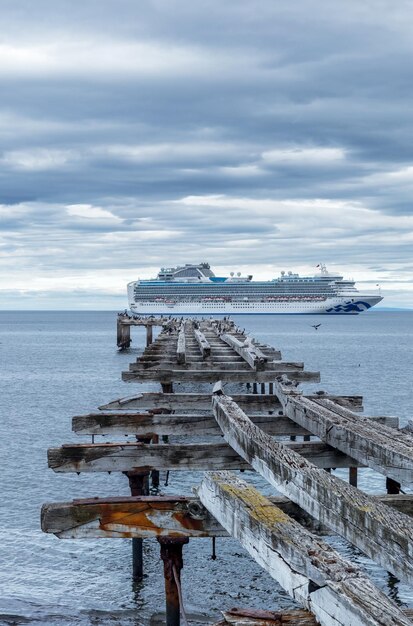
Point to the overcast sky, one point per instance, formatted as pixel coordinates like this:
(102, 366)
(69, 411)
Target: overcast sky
(259, 136)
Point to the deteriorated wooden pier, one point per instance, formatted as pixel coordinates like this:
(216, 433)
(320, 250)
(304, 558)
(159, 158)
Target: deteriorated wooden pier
(126, 321)
(280, 533)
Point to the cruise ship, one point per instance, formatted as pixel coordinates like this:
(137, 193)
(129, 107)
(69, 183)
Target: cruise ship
(195, 290)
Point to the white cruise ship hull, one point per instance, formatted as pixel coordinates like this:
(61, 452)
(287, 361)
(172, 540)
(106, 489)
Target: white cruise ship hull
(340, 305)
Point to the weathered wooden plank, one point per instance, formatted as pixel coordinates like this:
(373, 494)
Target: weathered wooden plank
(254, 617)
(126, 457)
(382, 533)
(122, 423)
(336, 591)
(386, 450)
(250, 353)
(273, 366)
(180, 348)
(202, 401)
(235, 376)
(118, 424)
(203, 343)
(144, 516)
(190, 357)
(134, 517)
(144, 321)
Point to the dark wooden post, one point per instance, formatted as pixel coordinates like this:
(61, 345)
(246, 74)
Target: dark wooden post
(171, 555)
(119, 332)
(149, 334)
(392, 486)
(154, 472)
(123, 334)
(139, 486)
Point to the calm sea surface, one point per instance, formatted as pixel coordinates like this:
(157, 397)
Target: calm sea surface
(59, 364)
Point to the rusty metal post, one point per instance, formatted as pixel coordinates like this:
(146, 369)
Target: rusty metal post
(139, 486)
(352, 476)
(392, 486)
(171, 555)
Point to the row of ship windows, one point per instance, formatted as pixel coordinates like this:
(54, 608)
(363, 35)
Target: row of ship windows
(223, 305)
(244, 288)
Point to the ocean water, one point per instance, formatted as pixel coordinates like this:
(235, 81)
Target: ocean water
(58, 364)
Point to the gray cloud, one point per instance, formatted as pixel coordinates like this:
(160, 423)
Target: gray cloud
(265, 136)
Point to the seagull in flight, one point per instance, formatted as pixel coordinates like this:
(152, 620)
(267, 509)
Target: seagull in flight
(316, 326)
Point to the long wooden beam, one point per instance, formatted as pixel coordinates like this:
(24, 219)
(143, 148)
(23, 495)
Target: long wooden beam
(145, 516)
(257, 617)
(203, 343)
(211, 366)
(118, 424)
(383, 534)
(234, 376)
(385, 450)
(129, 321)
(122, 423)
(251, 355)
(134, 517)
(180, 349)
(311, 571)
(202, 401)
(126, 457)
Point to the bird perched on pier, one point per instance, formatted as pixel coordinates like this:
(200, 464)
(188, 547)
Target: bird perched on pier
(315, 326)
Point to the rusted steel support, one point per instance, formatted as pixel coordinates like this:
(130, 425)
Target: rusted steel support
(139, 486)
(171, 555)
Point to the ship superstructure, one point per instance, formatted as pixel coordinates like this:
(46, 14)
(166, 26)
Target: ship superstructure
(194, 289)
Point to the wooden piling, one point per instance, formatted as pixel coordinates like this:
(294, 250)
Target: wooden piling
(149, 334)
(392, 486)
(139, 486)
